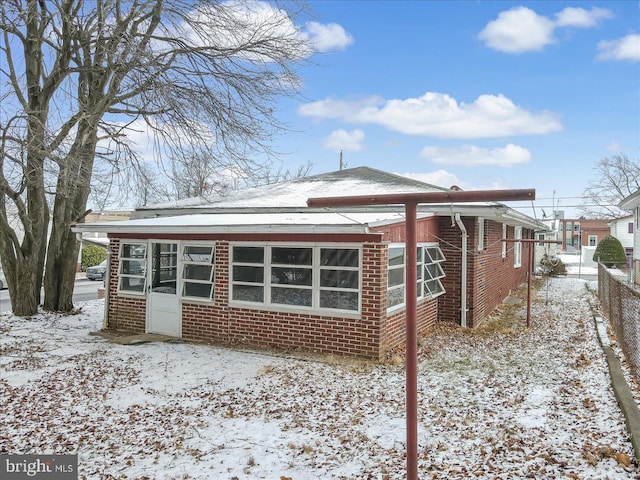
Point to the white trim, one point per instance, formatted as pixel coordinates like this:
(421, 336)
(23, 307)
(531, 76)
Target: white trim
(504, 244)
(517, 248)
(480, 233)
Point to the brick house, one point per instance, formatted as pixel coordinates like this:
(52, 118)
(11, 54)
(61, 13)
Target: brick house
(582, 232)
(259, 267)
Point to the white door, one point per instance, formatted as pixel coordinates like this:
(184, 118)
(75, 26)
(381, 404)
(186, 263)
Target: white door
(163, 299)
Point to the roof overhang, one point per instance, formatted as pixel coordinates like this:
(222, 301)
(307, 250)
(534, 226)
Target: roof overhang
(630, 202)
(251, 223)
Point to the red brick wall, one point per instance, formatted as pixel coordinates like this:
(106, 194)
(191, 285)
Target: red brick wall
(371, 335)
(490, 278)
(320, 333)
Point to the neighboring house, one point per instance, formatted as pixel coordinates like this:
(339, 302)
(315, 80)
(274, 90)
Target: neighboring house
(623, 229)
(632, 203)
(582, 232)
(259, 267)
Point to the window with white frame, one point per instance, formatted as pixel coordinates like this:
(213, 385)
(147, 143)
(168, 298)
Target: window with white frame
(315, 277)
(480, 233)
(504, 244)
(395, 276)
(483, 233)
(517, 248)
(593, 240)
(428, 274)
(133, 267)
(197, 271)
(433, 258)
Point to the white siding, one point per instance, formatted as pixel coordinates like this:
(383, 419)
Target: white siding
(620, 230)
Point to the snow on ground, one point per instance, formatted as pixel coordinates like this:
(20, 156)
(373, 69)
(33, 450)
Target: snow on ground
(495, 403)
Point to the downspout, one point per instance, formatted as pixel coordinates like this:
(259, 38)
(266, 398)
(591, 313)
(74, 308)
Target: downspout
(463, 285)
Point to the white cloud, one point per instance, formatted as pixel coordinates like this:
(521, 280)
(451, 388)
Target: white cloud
(579, 17)
(439, 115)
(471, 156)
(269, 30)
(626, 48)
(521, 29)
(518, 30)
(328, 37)
(343, 140)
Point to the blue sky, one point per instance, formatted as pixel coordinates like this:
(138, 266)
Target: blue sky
(479, 94)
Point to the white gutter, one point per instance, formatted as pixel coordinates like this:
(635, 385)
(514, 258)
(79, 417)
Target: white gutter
(463, 285)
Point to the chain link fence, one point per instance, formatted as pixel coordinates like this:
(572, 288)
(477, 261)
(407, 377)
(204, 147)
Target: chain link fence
(621, 304)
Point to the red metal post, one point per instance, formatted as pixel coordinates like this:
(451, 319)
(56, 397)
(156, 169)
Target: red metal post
(530, 270)
(411, 357)
(411, 201)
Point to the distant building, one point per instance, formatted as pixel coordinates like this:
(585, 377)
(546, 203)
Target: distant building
(582, 232)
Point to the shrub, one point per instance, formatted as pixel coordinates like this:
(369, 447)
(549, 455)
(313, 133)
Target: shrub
(610, 252)
(552, 266)
(92, 255)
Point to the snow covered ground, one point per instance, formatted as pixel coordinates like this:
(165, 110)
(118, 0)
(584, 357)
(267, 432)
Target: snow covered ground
(501, 402)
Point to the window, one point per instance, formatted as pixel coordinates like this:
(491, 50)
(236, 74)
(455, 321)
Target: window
(428, 274)
(303, 277)
(133, 267)
(395, 276)
(593, 240)
(630, 227)
(432, 287)
(576, 227)
(504, 244)
(248, 274)
(340, 278)
(197, 271)
(164, 267)
(517, 248)
(482, 244)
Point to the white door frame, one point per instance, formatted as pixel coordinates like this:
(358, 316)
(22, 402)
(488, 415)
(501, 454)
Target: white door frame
(164, 313)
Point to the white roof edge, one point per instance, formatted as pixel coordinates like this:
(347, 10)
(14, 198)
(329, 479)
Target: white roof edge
(219, 229)
(632, 201)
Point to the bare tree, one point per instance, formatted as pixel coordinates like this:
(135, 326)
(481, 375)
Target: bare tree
(80, 76)
(616, 177)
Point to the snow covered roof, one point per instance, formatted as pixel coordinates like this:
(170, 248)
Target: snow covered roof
(294, 193)
(312, 222)
(282, 207)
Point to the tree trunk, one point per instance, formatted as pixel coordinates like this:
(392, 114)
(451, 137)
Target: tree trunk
(69, 208)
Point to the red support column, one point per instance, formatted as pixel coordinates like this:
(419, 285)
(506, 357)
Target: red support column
(412, 340)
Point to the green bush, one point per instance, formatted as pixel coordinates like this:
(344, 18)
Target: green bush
(610, 252)
(92, 255)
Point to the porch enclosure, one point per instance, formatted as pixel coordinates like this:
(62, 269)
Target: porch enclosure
(324, 296)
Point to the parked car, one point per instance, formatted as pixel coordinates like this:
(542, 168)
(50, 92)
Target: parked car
(97, 272)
